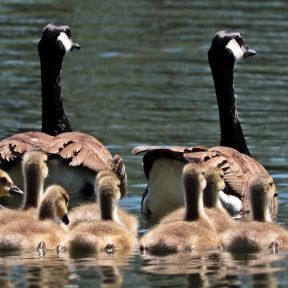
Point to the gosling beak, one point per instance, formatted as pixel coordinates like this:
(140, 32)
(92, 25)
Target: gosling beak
(65, 219)
(75, 46)
(15, 191)
(276, 195)
(249, 52)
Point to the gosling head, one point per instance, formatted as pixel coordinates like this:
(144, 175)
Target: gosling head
(56, 40)
(107, 185)
(108, 194)
(215, 183)
(7, 187)
(261, 191)
(34, 164)
(228, 46)
(194, 175)
(262, 188)
(54, 204)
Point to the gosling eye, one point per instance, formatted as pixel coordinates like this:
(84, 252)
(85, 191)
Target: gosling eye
(4, 181)
(271, 184)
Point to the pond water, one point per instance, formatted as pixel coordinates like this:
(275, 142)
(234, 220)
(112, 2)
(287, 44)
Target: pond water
(142, 77)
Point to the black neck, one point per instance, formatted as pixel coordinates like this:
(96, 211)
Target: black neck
(231, 131)
(54, 120)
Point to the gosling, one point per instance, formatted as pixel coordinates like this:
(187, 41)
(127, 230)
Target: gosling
(7, 187)
(194, 231)
(219, 217)
(42, 233)
(92, 212)
(35, 171)
(261, 233)
(108, 234)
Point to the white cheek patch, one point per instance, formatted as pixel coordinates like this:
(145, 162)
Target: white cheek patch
(236, 50)
(65, 41)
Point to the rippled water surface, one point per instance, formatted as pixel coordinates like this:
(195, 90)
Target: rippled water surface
(142, 76)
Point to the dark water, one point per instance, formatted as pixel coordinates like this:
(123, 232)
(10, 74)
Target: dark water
(142, 76)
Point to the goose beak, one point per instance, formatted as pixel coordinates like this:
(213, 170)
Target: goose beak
(65, 219)
(75, 46)
(15, 191)
(249, 52)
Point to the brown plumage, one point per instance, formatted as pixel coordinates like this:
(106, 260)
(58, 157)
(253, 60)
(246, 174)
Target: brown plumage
(67, 150)
(27, 233)
(234, 159)
(112, 231)
(194, 230)
(261, 233)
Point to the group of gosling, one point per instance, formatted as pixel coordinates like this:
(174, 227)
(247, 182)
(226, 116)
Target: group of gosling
(44, 221)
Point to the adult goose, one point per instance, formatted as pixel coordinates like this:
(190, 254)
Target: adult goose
(163, 164)
(74, 157)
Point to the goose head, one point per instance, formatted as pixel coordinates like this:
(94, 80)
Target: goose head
(228, 46)
(54, 204)
(7, 187)
(260, 194)
(56, 41)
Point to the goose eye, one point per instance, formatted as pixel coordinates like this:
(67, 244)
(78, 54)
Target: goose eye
(68, 32)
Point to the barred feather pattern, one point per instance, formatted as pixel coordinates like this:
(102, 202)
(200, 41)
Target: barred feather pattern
(77, 148)
(238, 168)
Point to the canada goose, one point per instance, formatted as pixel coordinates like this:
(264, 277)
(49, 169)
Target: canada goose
(195, 230)
(163, 164)
(28, 233)
(92, 211)
(74, 157)
(218, 216)
(108, 233)
(261, 233)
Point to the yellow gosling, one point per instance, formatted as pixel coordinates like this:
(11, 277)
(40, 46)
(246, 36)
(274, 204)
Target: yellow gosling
(108, 233)
(44, 232)
(91, 212)
(35, 171)
(261, 233)
(194, 231)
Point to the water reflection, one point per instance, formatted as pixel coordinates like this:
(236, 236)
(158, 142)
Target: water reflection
(215, 268)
